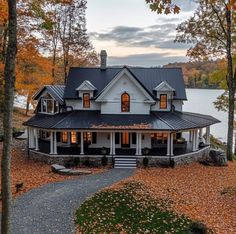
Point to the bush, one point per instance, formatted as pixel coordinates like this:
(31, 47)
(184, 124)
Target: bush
(76, 162)
(87, 162)
(104, 161)
(145, 162)
(198, 228)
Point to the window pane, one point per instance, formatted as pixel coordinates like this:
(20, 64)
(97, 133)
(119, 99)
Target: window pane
(163, 101)
(73, 137)
(50, 106)
(86, 100)
(44, 104)
(125, 102)
(64, 137)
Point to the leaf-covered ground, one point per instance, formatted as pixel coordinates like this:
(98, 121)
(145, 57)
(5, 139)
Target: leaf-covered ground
(207, 194)
(129, 209)
(33, 174)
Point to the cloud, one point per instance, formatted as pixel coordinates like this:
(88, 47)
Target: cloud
(156, 36)
(153, 59)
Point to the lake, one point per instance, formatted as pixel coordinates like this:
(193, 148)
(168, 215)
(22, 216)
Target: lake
(201, 101)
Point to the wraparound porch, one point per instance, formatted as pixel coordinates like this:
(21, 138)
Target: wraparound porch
(158, 143)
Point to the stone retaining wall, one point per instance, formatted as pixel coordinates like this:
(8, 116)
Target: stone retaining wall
(95, 161)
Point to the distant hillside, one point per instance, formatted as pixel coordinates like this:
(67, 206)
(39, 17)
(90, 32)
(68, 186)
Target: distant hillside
(200, 74)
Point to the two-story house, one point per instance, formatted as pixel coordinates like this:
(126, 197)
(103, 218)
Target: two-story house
(127, 113)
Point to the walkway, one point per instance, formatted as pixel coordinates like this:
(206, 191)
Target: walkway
(51, 208)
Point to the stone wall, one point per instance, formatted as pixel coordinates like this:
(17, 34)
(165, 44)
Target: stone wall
(95, 161)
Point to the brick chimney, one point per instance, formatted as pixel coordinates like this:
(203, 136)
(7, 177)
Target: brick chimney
(103, 59)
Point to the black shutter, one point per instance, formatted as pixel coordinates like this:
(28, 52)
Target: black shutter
(117, 138)
(94, 137)
(134, 138)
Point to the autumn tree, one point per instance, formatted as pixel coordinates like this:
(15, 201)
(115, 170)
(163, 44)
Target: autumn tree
(9, 86)
(211, 30)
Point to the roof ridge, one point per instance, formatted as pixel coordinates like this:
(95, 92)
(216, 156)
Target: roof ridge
(164, 121)
(175, 113)
(68, 114)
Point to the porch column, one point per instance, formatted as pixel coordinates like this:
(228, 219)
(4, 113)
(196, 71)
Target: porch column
(168, 144)
(190, 136)
(113, 144)
(55, 142)
(31, 138)
(137, 143)
(208, 141)
(171, 144)
(51, 143)
(200, 133)
(197, 139)
(194, 140)
(140, 143)
(81, 142)
(36, 139)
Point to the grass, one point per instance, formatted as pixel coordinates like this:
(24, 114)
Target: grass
(131, 209)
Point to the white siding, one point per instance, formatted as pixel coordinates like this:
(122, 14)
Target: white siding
(78, 105)
(112, 104)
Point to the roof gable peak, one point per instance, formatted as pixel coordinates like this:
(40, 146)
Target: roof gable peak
(164, 86)
(86, 85)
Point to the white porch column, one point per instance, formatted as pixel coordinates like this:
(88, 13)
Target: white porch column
(36, 139)
(190, 135)
(168, 144)
(197, 139)
(51, 143)
(29, 137)
(140, 143)
(111, 143)
(208, 141)
(55, 143)
(171, 144)
(137, 143)
(200, 133)
(81, 142)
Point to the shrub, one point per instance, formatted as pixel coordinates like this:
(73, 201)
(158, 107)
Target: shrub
(145, 162)
(76, 162)
(87, 162)
(198, 228)
(104, 161)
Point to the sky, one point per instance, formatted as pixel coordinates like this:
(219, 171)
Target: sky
(133, 35)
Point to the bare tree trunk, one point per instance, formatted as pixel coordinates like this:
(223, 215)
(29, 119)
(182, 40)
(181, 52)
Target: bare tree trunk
(231, 86)
(9, 74)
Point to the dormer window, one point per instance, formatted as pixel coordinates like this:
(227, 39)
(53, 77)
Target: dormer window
(163, 101)
(125, 102)
(86, 100)
(49, 105)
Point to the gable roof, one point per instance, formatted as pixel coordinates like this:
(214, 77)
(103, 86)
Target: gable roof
(86, 85)
(132, 78)
(148, 77)
(56, 91)
(164, 86)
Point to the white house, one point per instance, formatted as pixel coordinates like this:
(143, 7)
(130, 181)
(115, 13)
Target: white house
(125, 112)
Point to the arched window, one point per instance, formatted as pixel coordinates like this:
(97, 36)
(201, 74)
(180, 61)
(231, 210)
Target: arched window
(125, 102)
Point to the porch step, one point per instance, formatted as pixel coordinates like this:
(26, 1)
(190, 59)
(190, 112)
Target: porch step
(125, 162)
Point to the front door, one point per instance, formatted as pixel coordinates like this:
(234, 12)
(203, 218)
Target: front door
(125, 140)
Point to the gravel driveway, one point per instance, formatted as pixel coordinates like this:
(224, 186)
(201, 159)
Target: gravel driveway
(51, 208)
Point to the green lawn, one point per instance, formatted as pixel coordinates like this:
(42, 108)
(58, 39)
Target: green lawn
(130, 209)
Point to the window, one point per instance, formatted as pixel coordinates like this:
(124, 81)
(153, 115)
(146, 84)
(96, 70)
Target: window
(125, 102)
(94, 138)
(117, 138)
(163, 101)
(134, 140)
(86, 100)
(160, 138)
(64, 137)
(73, 138)
(87, 138)
(48, 105)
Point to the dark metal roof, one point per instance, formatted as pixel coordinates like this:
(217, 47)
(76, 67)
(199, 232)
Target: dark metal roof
(56, 91)
(162, 121)
(148, 77)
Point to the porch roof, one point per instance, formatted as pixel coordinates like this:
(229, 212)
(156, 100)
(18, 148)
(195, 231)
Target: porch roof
(93, 120)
